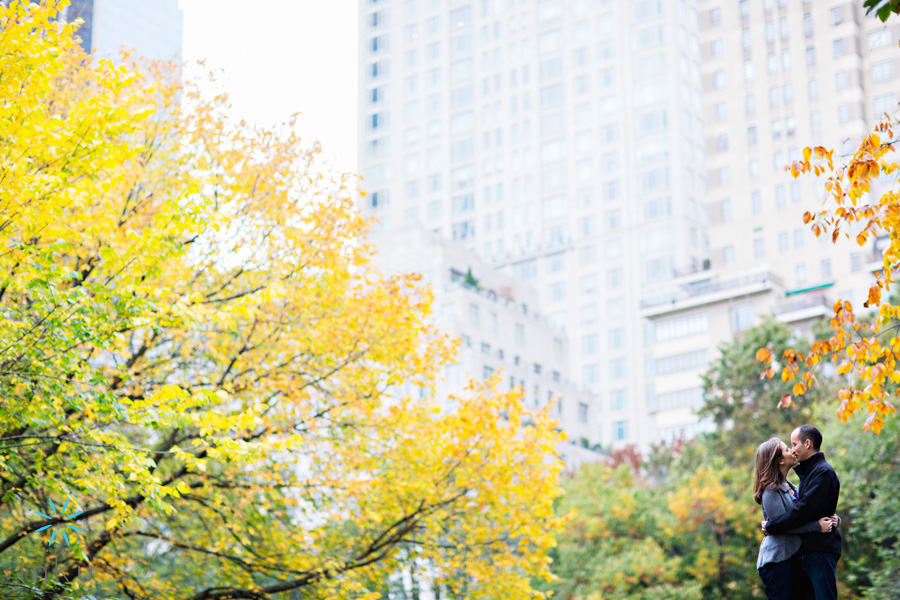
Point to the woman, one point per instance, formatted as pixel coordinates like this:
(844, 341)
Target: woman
(779, 558)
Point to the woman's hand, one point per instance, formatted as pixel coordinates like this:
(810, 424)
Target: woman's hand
(825, 523)
(835, 520)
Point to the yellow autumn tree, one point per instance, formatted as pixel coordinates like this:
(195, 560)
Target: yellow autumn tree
(199, 366)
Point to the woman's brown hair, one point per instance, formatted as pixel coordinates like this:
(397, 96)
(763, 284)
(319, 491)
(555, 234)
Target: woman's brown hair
(768, 472)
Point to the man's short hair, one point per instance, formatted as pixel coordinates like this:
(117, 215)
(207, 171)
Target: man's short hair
(811, 433)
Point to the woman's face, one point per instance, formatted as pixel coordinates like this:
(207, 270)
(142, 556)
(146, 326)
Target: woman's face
(787, 457)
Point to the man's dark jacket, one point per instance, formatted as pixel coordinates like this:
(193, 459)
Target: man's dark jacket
(819, 490)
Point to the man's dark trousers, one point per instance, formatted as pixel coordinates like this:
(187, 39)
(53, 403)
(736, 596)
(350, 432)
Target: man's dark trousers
(819, 491)
(822, 570)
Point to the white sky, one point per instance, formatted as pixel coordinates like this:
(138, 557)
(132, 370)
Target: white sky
(279, 57)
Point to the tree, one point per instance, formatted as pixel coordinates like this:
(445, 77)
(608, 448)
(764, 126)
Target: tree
(850, 210)
(746, 408)
(615, 544)
(882, 8)
(197, 357)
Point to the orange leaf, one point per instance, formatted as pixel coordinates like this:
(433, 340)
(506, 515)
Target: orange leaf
(798, 389)
(785, 401)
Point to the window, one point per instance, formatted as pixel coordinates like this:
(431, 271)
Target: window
(813, 88)
(686, 361)
(673, 329)
(590, 344)
(617, 368)
(882, 71)
(463, 230)
(841, 80)
(759, 247)
(719, 79)
(552, 95)
(801, 273)
(774, 96)
(837, 15)
(722, 142)
(878, 38)
(886, 103)
(784, 243)
(748, 70)
(618, 399)
(620, 431)
(616, 338)
(750, 104)
(843, 111)
(815, 122)
(556, 292)
(717, 47)
(788, 93)
(460, 18)
(855, 261)
(756, 201)
(679, 399)
(728, 254)
(615, 278)
(715, 17)
(721, 111)
(826, 268)
(751, 135)
(839, 48)
(741, 317)
(582, 412)
(727, 213)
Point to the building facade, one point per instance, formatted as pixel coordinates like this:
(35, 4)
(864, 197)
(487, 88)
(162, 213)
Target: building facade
(778, 76)
(561, 140)
(153, 28)
(501, 332)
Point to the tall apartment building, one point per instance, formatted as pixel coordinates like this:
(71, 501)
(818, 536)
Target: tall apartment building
(563, 141)
(153, 28)
(778, 75)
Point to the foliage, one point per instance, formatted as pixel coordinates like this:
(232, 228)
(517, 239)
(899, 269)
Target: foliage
(682, 522)
(197, 353)
(882, 8)
(851, 210)
(746, 408)
(689, 535)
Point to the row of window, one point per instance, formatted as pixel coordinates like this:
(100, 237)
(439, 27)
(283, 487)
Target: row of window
(855, 258)
(836, 14)
(617, 372)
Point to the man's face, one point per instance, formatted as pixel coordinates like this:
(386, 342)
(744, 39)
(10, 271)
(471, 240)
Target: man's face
(801, 449)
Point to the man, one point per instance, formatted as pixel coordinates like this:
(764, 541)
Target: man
(819, 490)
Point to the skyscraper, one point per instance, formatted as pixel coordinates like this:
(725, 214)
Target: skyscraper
(778, 76)
(153, 28)
(563, 141)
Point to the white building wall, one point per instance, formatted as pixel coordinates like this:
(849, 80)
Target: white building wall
(153, 28)
(561, 140)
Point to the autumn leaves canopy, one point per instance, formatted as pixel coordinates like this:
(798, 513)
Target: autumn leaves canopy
(196, 350)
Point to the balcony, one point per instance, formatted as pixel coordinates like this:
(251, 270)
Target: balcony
(706, 291)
